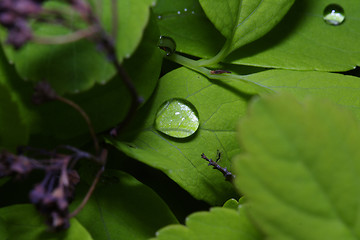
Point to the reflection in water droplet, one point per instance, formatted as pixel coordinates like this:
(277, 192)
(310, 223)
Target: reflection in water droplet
(177, 118)
(334, 15)
(159, 17)
(178, 12)
(167, 44)
(185, 9)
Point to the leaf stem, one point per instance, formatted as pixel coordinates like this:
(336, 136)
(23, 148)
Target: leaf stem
(194, 65)
(88, 194)
(72, 37)
(86, 118)
(221, 55)
(115, 19)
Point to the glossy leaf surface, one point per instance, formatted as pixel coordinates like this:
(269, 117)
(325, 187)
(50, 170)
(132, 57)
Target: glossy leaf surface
(219, 106)
(186, 23)
(243, 21)
(303, 41)
(339, 88)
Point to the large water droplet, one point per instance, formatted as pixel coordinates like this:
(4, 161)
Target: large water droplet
(334, 15)
(177, 118)
(167, 44)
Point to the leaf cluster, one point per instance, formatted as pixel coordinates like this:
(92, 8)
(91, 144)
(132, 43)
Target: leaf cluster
(268, 84)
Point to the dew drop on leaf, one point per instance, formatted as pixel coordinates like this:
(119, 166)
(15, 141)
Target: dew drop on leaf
(177, 118)
(334, 15)
(167, 44)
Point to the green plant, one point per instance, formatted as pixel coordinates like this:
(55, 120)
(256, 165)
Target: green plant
(260, 81)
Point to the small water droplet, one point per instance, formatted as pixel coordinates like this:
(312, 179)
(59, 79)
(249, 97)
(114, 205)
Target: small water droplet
(167, 44)
(159, 17)
(334, 15)
(177, 118)
(185, 9)
(192, 12)
(178, 12)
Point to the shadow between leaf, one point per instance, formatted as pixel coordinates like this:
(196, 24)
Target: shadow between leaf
(286, 27)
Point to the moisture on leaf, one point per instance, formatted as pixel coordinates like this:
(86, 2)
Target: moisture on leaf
(177, 118)
(243, 21)
(191, 30)
(304, 41)
(219, 107)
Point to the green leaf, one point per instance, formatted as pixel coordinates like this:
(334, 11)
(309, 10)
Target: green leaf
(22, 222)
(70, 68)
(339, 88)
(300, 170)
(218, 223)
(78, 66)
(14, 131)
(219, 106)
(4, 180)
(14, 116)
(106, 105)
(232, 204)
(303, 40)
(123, 208)
(187, 24)
(243, 21)
(132, 18)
